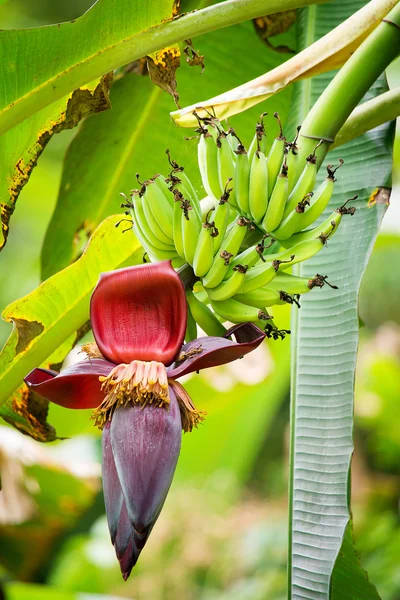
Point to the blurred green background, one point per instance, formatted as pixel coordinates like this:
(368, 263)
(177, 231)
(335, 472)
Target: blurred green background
(222, 533)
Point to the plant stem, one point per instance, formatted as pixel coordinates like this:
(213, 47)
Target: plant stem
(346, 90)
(373, 113)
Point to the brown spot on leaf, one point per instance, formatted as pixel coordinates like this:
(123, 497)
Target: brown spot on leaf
(271, 25)
(30, 414)
(81, 103)
(27, 331)
(380, 196)
(162, 66)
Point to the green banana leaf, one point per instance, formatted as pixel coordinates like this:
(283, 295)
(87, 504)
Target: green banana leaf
(132, 137)
(324, 349)
(109, 35)
(44, 319)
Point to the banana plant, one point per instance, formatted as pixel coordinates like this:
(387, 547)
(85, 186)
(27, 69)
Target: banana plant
(253, 223)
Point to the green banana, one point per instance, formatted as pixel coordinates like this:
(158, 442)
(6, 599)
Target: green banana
(295, 254)
(228, 287)
(208, 162)
(323, 231)
(258, 187)
(277, 201)
(161, 181)
(145, 226)
(160, 207)
(226, 162)
(302, 217)
(305, 183)
(275, 157)
(236, 312)
(293, 221)
(261, 297)
(293, 160)
(297, 285)
(241, 182)
(221, 218)
(256, 278)
(204, 317)
(177, 224)
(230, 246)
(259, 141)
(261, 275)
(190, 230)
(178, 180)
(153, 223)
(191, 327)
(156, 254)
(321, 197)
(204, 253)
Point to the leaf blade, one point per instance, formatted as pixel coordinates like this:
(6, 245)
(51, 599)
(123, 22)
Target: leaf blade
(46, 317)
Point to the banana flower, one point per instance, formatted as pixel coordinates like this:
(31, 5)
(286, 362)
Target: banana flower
(138, 316)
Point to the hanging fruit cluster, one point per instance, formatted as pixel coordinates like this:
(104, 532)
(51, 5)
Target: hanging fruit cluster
(240, 249)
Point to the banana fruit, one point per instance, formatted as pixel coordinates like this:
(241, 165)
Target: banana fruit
(255, 199)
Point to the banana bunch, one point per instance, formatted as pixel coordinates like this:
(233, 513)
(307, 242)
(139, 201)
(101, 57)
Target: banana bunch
(258, 227)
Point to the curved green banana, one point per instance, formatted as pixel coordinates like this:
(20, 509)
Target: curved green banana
(204, 253)
(177, 227)
(145, 226)
(153, 223)
(292, 160)
(155, 254)
(191, 327)
(190, 231)
(221, 219)
(296, 285)
(277, 201)
(242, 180)
(236, 312)
(204, 317)
(321, 197)
(305, 183)
(160, 207)
(208, 162)
(261, 297)
(226, 162)
(230, 247)
(258, 187)
(256, 278)
(323, 231)
(275, 157)
(248, 257)
(228, 287)
(161, 181)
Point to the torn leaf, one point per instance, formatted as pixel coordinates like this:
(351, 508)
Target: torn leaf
(162, 66)
(21, 147)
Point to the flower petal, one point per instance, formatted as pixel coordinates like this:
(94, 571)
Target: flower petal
(145, 444)
(139, 313)
(113, 497)
(214, 351)
(76, 387)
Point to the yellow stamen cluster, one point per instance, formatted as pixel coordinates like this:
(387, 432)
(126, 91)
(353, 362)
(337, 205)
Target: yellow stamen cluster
(138, 383)
(191, 417)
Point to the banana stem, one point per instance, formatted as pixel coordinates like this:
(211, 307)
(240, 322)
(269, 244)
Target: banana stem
(346, 90)
(369, 115)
